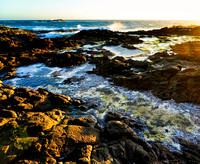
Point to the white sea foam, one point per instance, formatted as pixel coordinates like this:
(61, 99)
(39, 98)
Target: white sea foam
(117, 26)
(136, 54)
(57, 34)
(42, 28)
(79, 26)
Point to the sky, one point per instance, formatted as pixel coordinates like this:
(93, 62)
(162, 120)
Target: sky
(100, 9)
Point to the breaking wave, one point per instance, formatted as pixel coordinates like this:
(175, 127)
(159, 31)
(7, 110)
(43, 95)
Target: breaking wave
(117, 26)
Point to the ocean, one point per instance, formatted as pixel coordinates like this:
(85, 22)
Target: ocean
(115, 25)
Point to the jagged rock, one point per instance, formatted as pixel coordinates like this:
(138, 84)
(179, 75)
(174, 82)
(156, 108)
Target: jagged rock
(85, 154)
(36, 122)
(8, 113)
(116, 129)
(89, 121)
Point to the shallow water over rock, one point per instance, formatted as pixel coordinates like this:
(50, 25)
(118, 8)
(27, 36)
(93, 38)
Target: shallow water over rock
(165, 120)
(127, 53)
(152, 45)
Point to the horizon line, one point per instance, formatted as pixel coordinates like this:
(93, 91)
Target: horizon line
(104, 19)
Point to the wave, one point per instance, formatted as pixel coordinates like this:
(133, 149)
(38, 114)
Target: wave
(79, 26)
(117, 26)
(56, 34)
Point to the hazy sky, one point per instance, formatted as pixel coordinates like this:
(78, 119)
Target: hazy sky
(100, 9)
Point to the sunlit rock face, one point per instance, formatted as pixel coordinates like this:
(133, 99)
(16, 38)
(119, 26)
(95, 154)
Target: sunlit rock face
(188, 51)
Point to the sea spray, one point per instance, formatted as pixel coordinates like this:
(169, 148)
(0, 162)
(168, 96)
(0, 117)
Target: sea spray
(117, 26)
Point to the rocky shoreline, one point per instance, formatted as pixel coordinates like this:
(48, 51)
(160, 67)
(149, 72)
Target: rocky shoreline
(35, 127)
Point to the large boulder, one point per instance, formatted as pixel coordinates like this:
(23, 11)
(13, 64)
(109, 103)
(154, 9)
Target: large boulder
(36, 122)
(183, 87)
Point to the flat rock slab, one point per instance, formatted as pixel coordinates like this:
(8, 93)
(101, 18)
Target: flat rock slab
(81, 134)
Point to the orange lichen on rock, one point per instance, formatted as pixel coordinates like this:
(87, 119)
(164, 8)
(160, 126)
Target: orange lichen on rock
(190, 50)
(81, 134)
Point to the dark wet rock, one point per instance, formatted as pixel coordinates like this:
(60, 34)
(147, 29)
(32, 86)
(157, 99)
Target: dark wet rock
(164, 154)
(158, 56)
(111, 67)
(8, 113)
(113, 42)
(146, 81)
(59, 30)
(191, 150)
(83, 121)
(189, 144)
(169, 31)
(120, 58)
(138, 154)
(183, 87)
(129, 46)
(82, 107)
(73, 79)
(63, 42)
(110, 37)
(113, 116)
(66, 60)
(139, 64)
(116, 130)
(55, 74)
(122, 151)
(101, 155)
